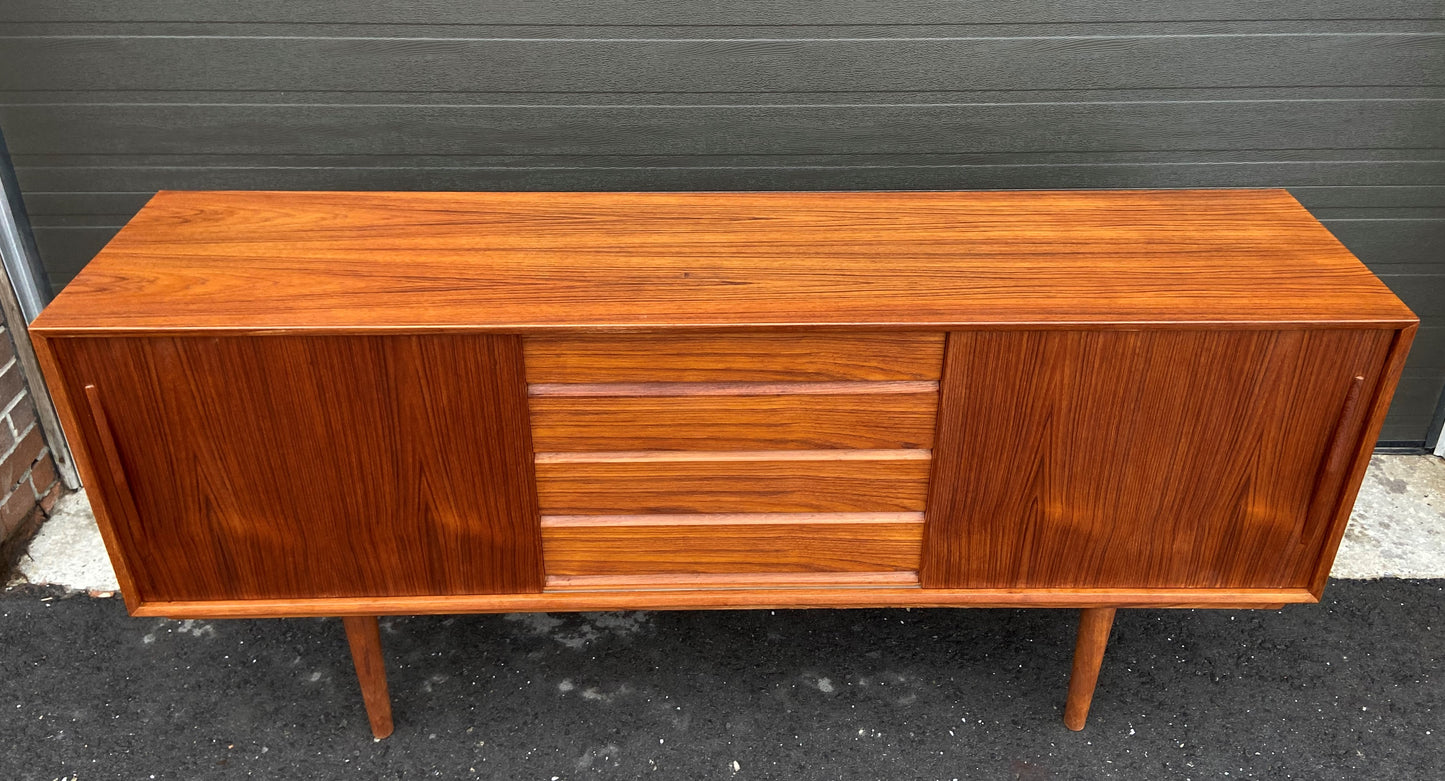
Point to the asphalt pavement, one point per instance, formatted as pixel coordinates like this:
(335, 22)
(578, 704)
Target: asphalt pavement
(1348, 689)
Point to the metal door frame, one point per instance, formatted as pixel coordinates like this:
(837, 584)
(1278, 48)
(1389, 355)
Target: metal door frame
(24, 291)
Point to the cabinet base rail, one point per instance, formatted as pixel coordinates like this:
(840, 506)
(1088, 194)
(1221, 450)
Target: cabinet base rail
(561, 601)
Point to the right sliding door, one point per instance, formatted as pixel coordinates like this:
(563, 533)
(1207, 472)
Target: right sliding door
(1144, 459)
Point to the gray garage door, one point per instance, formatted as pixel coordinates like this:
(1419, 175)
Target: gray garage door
(1342, 101)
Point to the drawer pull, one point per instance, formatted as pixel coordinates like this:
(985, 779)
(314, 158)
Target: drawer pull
(730, 519)
(686, 456)
(730, 388)
(732, 581)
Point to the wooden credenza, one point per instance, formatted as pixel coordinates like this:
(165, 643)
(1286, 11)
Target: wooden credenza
(361, 404)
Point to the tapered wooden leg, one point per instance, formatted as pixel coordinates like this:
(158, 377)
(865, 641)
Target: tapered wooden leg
(364, 634)
(1094, 626)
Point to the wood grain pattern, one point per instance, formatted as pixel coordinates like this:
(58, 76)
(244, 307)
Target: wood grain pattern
(283, 466)
(733, 357)
(708, 519)
(641, 389)
(882, 483)
(78, 420)
(102, 473)
(1078, 480)
(891, 421)
(731, 456)
(364, 636)
(1349, 485)
(1093, 638)
(730, 580)
(527, 262)
(638, 549)
(1090, 413)
(1344, 440)
(683, 598)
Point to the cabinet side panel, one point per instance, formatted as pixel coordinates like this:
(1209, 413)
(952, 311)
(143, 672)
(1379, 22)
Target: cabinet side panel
(318, 466)
(1162, 459)
(1364, 446)
(81, 435)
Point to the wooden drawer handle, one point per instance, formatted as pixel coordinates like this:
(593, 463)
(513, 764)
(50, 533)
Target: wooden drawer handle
(114, 470)
(1337, 458)
(636, 389)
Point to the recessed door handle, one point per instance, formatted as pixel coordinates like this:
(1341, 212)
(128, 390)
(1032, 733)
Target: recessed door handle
(114, 469)
(1337, 458)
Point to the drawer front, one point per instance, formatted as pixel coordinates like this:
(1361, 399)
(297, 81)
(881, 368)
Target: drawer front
(668, 546)
(649, 448)
(781, 482)
(731, 357)
(734, 422)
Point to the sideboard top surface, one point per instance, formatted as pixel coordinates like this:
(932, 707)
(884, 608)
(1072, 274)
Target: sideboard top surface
(540, 261)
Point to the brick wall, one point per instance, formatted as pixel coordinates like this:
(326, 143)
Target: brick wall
(28, 481)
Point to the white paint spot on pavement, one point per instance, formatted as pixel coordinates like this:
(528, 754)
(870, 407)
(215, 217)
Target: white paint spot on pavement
(195, 628)
(606, 754)
(822, 684)
(577, 631)
(597, 695)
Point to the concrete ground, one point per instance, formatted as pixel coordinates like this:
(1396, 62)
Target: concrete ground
(1352, 688)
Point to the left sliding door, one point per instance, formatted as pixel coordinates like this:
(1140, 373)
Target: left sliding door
(278, 467)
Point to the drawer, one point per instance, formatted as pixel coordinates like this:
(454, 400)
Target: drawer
(734, 357)
(734, 422)
(717, 545)
(722, 482)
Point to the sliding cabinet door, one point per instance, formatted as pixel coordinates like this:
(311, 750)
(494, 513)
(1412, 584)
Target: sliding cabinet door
(308, 466)
(1144, 459)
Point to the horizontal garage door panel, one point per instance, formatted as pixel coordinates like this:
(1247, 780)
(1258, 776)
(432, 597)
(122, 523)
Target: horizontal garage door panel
(1341, 101)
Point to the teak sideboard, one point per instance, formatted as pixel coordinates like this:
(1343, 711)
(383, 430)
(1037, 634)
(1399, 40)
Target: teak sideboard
(361, 404)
